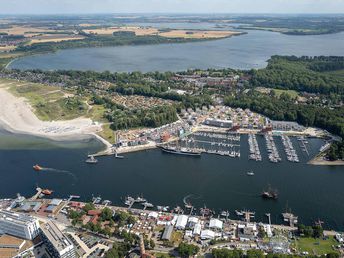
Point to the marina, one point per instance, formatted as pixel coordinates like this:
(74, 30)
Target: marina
(220, 182)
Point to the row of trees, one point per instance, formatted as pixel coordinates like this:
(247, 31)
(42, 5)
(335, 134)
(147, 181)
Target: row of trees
(226, 253)
(154, 117)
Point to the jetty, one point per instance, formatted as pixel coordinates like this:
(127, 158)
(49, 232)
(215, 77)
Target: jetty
(289, 149)
(37, 195)
(254, 148)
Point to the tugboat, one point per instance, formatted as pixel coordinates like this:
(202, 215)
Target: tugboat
(91, 160)
(37, 168)
(47, 192)
(270, 194)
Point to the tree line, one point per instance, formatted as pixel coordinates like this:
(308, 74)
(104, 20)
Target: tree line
(301, 74)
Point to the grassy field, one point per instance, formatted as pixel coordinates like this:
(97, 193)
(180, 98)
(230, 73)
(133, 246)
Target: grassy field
(291, 93)
(107, 133)
(96, 113)
(177, 237)
(315, 246)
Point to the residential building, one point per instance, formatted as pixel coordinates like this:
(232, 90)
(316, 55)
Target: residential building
(58, 245)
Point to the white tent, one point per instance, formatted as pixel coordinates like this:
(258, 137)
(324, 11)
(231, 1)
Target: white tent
(207, 234)
(215, 224)
(181, 222)
(197, 229)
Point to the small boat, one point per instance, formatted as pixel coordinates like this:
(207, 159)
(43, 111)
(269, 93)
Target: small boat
(239, 213)
(47, 192)
(225, 213)
(162, 208)
(106, 202)
(140, 199)
(129, 200)
(250, 173)
(118, 157)
(37, 168)
(147, 205)
(91, 160)
(96, 200)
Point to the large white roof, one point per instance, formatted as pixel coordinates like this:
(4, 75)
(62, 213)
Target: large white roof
(215, 223)
(197, 229)
(181, 221)
(193, 219)
(207, 234)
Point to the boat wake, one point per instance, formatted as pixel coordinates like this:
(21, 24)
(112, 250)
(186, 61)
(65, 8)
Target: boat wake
(53, 170)
(191, 196)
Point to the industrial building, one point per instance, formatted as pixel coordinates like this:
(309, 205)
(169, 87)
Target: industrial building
(219, 123)
(167, 233)
(18, 225)
(58, 245)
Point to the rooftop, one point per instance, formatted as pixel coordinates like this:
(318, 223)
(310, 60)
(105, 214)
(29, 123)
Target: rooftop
(16, 217)
(55, 236)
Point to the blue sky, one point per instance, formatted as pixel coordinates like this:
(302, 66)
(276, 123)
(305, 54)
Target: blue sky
(170, 6)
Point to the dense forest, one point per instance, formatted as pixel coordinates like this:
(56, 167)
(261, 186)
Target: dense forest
(100, 41)
(309, 74)
(285, 108)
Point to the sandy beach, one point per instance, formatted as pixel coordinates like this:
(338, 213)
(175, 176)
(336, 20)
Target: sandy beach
(17, 116)
(320, 161)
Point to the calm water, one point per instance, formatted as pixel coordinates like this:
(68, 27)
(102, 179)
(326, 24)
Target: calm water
(244, 52)
(219, 182)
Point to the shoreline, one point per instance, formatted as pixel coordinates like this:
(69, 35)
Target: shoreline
(188, 40)
(17, 117)
(320, 161)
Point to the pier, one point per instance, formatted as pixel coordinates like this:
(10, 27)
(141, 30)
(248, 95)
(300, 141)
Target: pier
(254, 148)
(289, 149)
(302, 142)
(39, 192)
(290, 218)
(272, 149)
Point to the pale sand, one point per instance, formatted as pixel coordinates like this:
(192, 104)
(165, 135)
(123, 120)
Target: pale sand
(16, 115)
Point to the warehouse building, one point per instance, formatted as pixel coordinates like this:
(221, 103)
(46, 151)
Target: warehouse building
(219, 123)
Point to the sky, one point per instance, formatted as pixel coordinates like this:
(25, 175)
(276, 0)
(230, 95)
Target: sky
(169, 6)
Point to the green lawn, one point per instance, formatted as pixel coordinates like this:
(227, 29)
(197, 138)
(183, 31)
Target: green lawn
(315, 246)
(107, 133)
(292, 93)
(96, 113)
